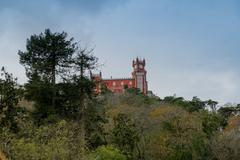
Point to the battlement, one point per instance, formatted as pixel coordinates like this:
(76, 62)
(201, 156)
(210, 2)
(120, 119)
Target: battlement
(138, 62)
(110, 79)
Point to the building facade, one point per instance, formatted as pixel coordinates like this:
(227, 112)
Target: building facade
(138, 80)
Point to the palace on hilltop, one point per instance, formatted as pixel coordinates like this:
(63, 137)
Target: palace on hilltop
(138, 79)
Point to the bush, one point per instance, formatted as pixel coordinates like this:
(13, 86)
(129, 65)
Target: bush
(54, 141)
(107, 153)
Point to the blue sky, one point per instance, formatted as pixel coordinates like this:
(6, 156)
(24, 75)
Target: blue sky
(191, 46)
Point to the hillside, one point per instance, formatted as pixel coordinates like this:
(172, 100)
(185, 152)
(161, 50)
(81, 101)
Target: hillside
(135, 126)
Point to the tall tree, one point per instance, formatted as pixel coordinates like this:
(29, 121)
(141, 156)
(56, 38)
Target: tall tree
(79, 86)
(48, 57)
(85, 61)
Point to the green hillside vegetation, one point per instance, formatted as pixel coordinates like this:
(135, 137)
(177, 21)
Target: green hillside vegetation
(57, 114)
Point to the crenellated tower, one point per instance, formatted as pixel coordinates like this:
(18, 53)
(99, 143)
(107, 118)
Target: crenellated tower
(140, 75)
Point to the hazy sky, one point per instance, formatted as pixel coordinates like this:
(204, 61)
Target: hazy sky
(191, 46)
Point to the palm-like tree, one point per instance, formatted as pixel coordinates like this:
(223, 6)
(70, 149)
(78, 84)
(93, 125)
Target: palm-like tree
(212, 104)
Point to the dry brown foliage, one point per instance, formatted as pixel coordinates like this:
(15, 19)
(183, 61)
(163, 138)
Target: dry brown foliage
(2, 156)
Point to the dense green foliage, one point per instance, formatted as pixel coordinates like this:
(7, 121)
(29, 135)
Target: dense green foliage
(125, 134)
(9, 97)
(67, 120)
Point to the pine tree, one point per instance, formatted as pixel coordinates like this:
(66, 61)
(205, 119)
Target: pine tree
(47, 59)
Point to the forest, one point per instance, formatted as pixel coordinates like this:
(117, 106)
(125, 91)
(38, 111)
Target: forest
(57, 115)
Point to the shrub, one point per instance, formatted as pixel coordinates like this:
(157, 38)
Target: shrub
(107, 153)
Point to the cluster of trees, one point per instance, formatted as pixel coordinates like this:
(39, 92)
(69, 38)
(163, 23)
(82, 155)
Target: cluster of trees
(174, 128)
(67, 120)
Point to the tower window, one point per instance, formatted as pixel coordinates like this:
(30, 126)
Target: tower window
(140, 82)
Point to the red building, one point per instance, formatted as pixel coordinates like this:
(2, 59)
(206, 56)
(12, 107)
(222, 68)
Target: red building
(138, 79)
